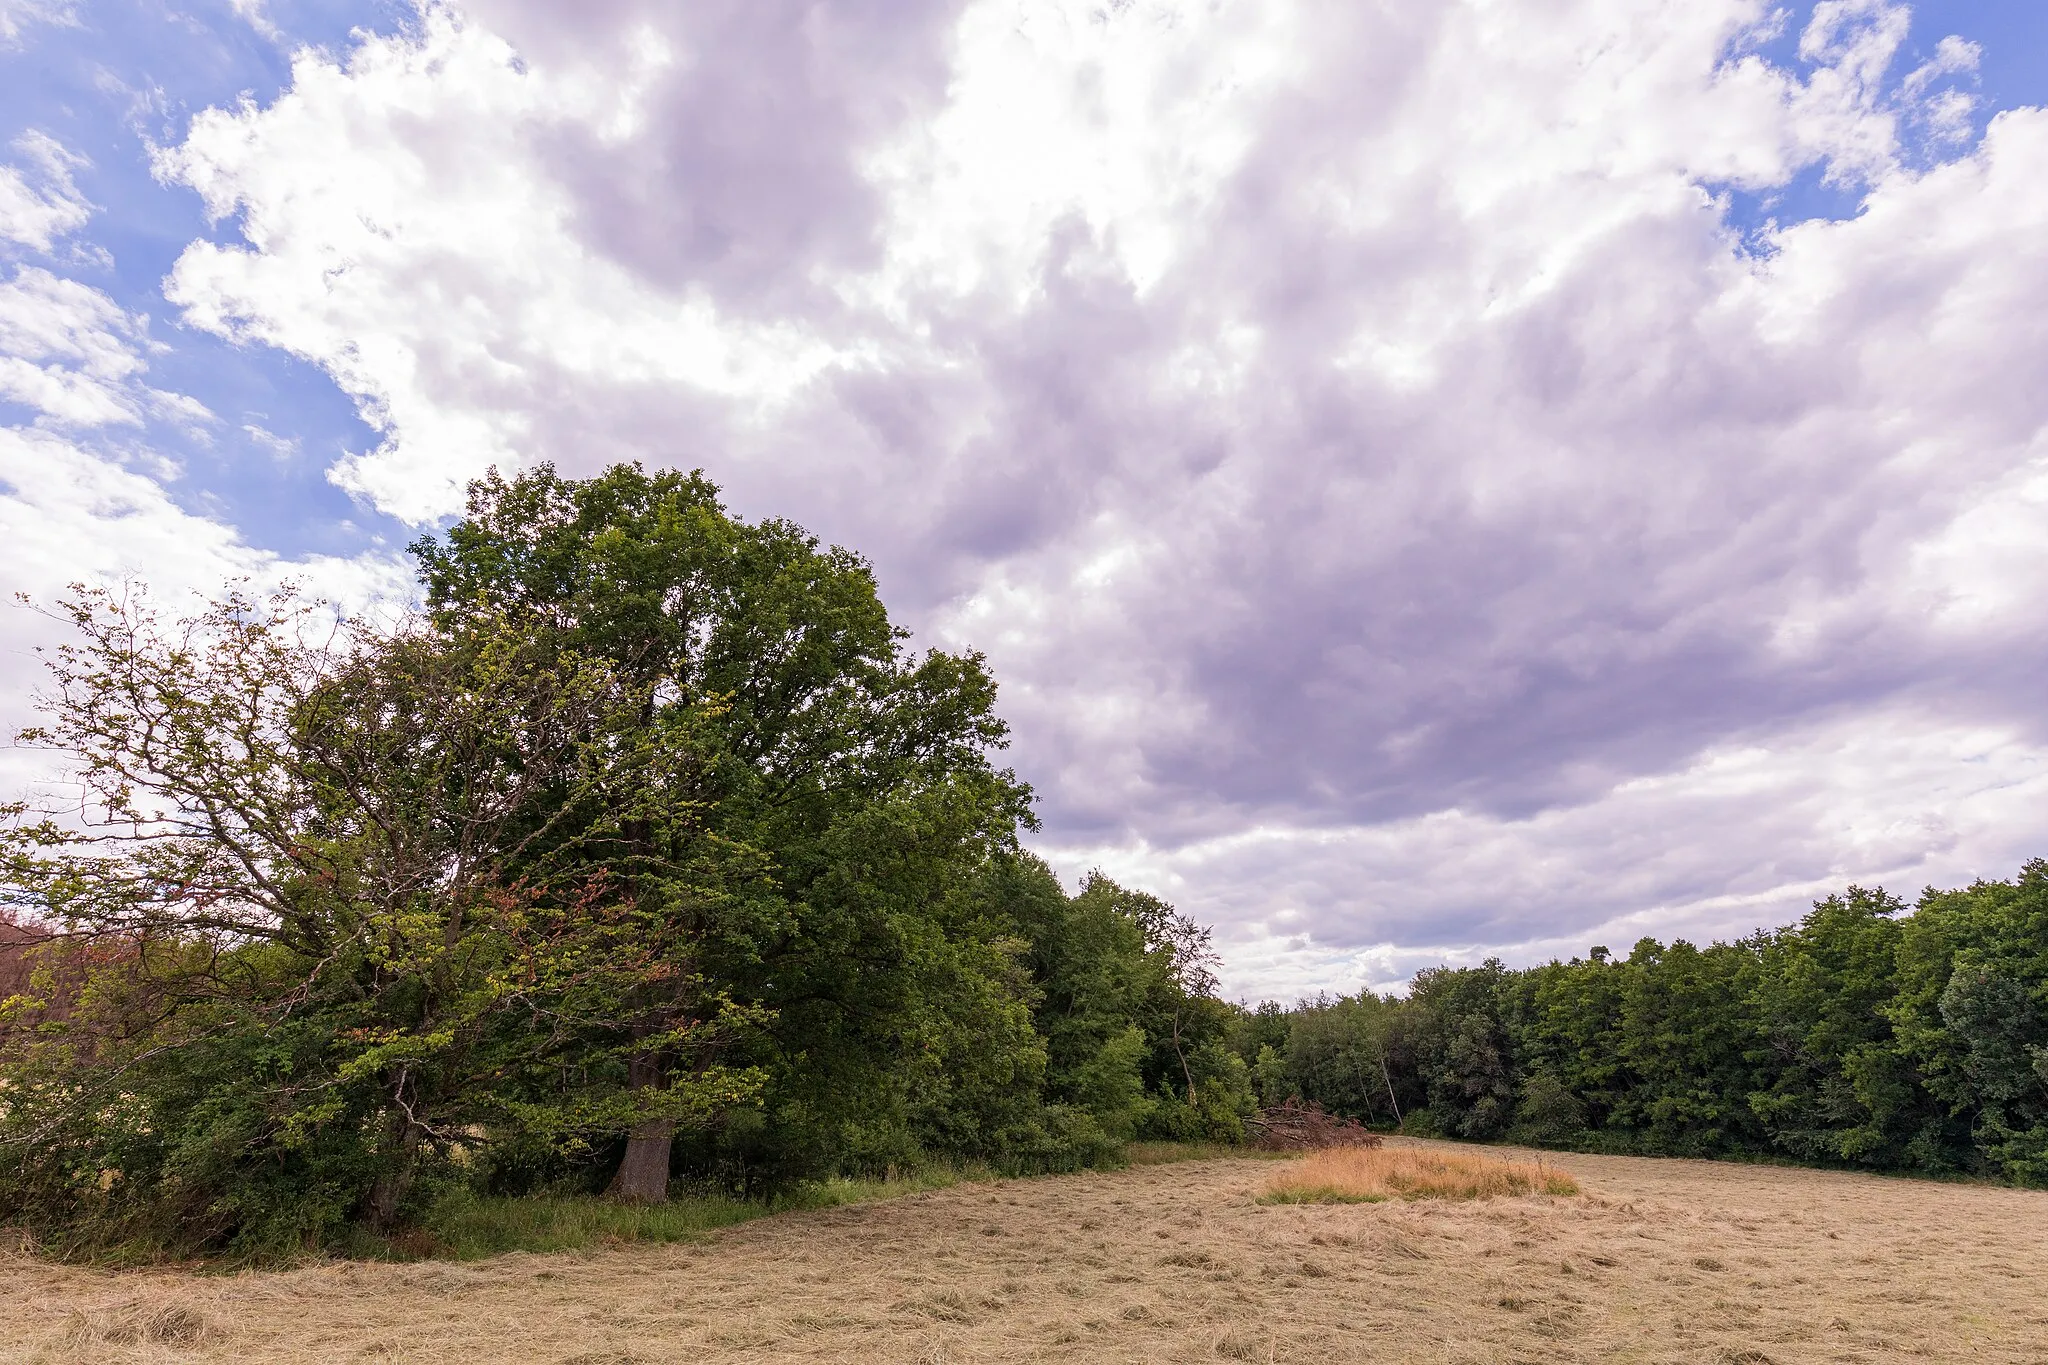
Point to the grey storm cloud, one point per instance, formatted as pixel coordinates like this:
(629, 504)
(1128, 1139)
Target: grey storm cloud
(1403, 512)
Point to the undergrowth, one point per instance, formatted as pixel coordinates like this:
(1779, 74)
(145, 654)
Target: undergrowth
(1166, 1153)
(464, 1226)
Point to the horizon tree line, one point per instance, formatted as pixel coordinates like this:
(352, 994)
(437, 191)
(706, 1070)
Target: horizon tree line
(1871, 1034)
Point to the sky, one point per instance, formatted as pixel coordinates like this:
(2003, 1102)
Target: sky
(1434, 478)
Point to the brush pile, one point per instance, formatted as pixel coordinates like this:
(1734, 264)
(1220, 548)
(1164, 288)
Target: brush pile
(1303, 1126)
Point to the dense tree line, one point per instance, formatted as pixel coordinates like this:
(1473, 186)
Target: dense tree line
(1866, 1035)
(645, 848)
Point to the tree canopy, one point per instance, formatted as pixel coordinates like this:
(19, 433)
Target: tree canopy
(645, 847)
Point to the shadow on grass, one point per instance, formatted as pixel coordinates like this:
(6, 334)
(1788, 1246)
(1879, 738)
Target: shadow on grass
(466, 1227)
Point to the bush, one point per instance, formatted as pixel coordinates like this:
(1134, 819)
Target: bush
(1549, 1115)
(1421, 1122)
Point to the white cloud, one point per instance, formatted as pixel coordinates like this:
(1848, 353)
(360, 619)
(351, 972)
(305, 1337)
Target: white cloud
(84, 494)
(76, 359)
(1893, 795)
(69, 514)
(277, 447)
(41, 204)
(356, 214)
(17, 15)
(60, 502)
(256, 14)
(69, 352)
(1351, 424)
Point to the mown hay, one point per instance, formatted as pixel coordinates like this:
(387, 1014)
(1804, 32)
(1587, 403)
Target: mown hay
(143, 1322)
(1821, 1266)
(1367, 1175)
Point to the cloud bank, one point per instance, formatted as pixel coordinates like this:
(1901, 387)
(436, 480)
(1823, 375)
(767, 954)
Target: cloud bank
(1410, 513)
(85, 493)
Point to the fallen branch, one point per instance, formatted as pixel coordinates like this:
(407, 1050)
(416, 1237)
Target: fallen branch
(1303, 1125)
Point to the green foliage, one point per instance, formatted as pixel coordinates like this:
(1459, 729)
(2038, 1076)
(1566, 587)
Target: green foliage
(860, 773)
(1344, 1052)
(1464, 1050)
(1549, 1114)
(335, 910)
(1864, 1035)
(1841, 1090)
(648, 841)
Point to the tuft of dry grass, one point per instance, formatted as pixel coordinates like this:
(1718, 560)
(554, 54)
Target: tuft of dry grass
(135, 1322)
(1368, 1175)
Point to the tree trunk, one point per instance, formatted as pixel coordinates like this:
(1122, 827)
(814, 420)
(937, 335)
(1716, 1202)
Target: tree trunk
(1388, 1077)
(643, 1174)
(380, 1205)
(1186, 1074)
(388, 1190)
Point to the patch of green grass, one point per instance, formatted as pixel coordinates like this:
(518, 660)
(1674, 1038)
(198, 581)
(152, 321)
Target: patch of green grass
(1166, 1153)
(1319, 1194)
(468, 1227)
(830, 1194)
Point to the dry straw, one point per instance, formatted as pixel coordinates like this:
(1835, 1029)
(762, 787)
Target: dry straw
(160, 1322)
(1365, 1175)
(1166, 1262)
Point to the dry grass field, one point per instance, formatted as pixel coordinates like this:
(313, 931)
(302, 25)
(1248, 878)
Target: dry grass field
(1655, 1261)
(1372, 1175)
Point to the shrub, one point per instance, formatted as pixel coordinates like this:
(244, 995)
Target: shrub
(1549, 1114)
